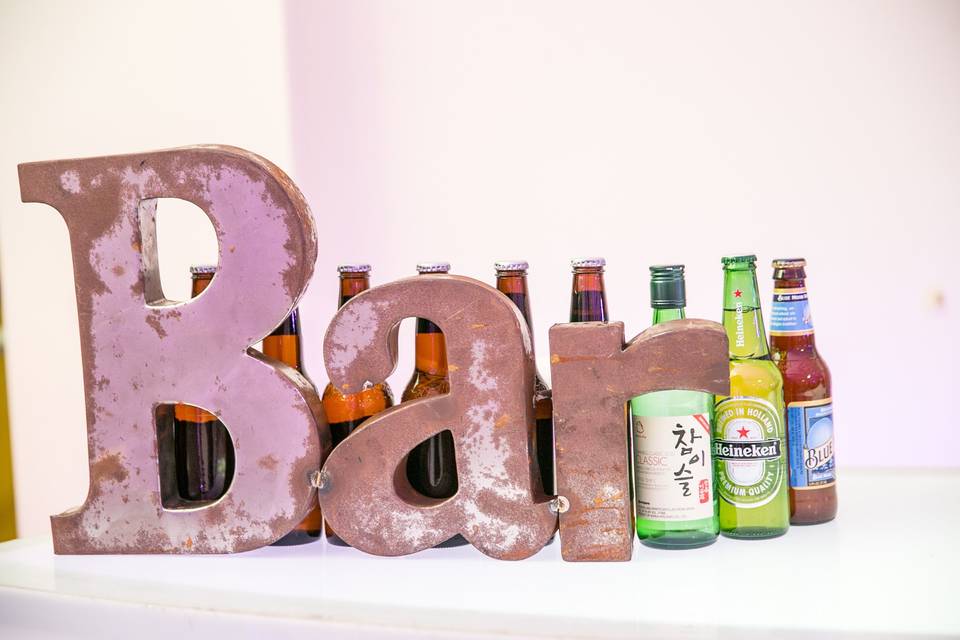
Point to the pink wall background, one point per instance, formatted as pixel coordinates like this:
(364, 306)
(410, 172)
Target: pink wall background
(652, 133)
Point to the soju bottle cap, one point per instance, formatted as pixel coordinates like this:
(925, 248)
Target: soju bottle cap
(433, 267)
(199, 269)
(667, 287)
(739, 262)
(511, 265)
(354, 268)
(578, 263)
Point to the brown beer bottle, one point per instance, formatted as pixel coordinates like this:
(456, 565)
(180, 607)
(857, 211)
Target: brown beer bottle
(806, 393)
(284, 345)
(512, 282)
(345, 413)
(204, 451)
(588, 299)
(432, 465)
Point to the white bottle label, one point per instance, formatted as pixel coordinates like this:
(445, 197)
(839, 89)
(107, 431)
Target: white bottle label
(673, 467)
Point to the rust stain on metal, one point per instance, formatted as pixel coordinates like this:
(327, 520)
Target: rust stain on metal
(500, 506)
(109, 205)
(594, 375)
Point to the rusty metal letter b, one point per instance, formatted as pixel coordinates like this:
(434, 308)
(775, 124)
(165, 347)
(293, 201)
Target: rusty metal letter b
(140, 351)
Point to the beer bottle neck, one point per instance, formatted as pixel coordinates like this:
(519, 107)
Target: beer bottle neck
(588, 299)
(791, 325)
(284, 343)
(742, 318)
(665, 315)
(199, 282)
(513, 284)
(351, 284)
(431, 349)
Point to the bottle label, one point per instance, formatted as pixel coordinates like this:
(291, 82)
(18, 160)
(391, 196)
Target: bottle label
(674, 468)
(749, 450)
(810, 435)
(791, 313)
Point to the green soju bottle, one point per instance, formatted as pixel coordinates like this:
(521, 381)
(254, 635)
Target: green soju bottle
(749, 434)
(672, 459)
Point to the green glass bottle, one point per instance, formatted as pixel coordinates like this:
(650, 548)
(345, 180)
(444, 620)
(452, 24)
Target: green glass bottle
(676, 501)
(750, 446)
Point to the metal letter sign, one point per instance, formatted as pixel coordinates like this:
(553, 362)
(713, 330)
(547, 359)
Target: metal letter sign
(594, 375)
(364, 492)
(141, 352)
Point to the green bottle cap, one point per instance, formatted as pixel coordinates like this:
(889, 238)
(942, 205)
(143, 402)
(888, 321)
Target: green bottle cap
(667, 288)
(739, 262)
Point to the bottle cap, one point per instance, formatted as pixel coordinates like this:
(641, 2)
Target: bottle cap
(789, 263)
(433, 267)
(354, 268)
(577, 263)
(667, 287)
(511, 265)
(199, 269)
(739, 262)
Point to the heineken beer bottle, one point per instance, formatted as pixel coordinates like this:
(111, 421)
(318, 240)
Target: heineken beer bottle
(749, 434)
(676, 503)
(806, 391)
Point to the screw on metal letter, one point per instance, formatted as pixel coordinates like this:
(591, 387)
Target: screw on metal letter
(593, 377)
(140, 351)
(500, 506)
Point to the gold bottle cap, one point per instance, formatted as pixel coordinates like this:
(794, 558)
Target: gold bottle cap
(789, 263)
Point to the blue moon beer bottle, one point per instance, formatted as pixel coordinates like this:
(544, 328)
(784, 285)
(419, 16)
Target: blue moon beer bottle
(806, 391)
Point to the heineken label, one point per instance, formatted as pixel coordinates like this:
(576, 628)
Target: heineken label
(749, 451)
(674, 468)
(810, 435)
(791, 313)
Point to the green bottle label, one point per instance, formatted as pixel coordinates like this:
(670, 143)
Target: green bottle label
(749, 451)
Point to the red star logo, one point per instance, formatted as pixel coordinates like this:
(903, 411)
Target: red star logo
(738, 293)
(743, 431)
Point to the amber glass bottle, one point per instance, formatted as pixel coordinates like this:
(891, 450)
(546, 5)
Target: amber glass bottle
(432, 465)
(512, 282)
(345, 413)
(204, 451)
(284, 345)
(588, 299)
(806, 392)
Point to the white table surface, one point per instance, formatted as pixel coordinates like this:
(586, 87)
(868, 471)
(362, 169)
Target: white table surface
(889, 564)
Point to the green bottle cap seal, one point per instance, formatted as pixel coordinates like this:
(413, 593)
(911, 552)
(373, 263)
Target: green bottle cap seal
(739, 262)
(667, 288)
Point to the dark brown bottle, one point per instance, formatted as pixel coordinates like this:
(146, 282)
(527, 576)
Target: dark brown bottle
(588, 298)
(432, 465)
(807, 396)
(512, 282)
(346, 412)
(284, 345)
(204, 450)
